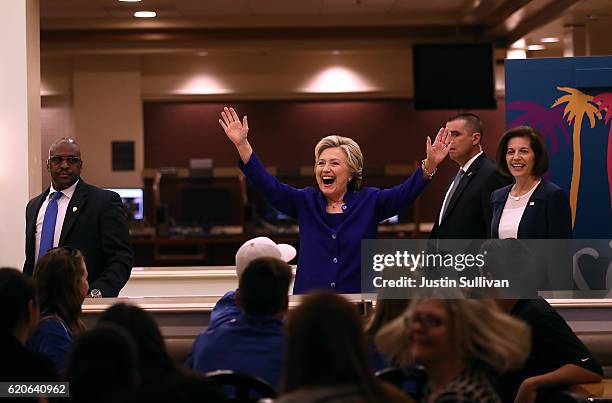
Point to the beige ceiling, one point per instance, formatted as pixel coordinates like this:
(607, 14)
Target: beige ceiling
(109, 25)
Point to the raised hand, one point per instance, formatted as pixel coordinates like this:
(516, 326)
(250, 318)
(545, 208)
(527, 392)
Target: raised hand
(235, 130)
(438, 150)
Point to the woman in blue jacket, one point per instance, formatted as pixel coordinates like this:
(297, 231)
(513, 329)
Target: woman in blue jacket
(61, 281)
(336, 216)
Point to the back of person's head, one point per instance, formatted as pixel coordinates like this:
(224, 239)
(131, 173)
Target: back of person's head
(262, 247)
(103, 365)
(57, 275)
(154, 358)
(479, 330)
(326, 346)
(513, 260)
(263, 287)
(17, 301)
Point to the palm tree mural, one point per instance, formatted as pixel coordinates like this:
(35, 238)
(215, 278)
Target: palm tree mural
(604, 103)
(547, 121)
(578, 106)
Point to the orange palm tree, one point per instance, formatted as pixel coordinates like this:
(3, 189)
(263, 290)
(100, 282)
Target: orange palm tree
(578, 106)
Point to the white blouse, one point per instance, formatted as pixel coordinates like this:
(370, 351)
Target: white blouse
(512, 214)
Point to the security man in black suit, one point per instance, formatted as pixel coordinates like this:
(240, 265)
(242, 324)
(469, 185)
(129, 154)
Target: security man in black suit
(466, 208)
(83, 217)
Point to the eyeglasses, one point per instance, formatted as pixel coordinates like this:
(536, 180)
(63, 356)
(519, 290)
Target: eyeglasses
(71, 159)
(428, 321)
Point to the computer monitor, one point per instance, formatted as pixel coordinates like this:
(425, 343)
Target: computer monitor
(132, 200)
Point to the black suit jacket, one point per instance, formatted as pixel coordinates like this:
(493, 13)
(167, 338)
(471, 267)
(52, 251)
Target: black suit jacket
(547, 214)
(96, 224)
(468, 215)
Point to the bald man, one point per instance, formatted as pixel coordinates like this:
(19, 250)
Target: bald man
(72, 213)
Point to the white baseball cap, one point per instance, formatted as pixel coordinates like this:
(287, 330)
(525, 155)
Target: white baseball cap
(262, 247)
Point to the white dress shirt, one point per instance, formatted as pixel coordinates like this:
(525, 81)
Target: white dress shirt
(62, 205)
(464, 169)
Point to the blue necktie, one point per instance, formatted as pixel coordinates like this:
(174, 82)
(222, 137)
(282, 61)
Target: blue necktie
(48, 228)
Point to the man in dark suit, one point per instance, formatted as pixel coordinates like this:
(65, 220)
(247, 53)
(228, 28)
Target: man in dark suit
(75, 214)
(466, 208)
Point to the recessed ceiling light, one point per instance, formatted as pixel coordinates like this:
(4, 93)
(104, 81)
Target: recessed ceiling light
(145, 14)
(536, 47)
(335, 52)
(129, 1)
(551, 39)
(203, 53)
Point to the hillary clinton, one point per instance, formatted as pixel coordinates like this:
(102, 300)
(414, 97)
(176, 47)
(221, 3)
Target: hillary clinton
(334, 217)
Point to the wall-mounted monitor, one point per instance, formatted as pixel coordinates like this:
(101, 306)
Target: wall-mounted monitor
(132, 200)
(455, 76)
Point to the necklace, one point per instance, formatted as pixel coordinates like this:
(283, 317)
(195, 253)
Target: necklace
(517, 198)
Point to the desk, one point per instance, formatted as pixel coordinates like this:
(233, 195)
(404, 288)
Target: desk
(184, 317)
(595, 392)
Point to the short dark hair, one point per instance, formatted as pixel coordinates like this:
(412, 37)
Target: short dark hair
(536, 143)
(264, 286)
(149, 340)
(16, 291)
(472, 121)
(103, 365)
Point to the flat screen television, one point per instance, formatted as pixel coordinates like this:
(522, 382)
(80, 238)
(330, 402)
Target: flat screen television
(132, 200)
(456, 76)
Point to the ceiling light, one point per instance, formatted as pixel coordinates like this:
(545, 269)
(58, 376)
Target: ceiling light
(536, 47)
(203, 53)
(130, 1)
(551, 39)
(145, 14)
(335, 52)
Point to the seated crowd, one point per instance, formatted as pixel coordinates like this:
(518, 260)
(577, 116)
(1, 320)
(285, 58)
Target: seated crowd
(468, 350)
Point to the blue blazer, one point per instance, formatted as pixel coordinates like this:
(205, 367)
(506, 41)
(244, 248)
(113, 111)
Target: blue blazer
(546, 216)
(330, 257)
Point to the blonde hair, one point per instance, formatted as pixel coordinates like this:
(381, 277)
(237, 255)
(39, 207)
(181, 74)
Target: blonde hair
(480, 330)
(354, 157)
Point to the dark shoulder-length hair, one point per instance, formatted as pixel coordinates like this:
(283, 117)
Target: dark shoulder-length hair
(536, 143)
(57, 275)
(155, 362)
(326, 347)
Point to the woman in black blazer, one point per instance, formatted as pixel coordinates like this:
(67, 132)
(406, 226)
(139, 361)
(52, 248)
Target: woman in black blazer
(531, 208)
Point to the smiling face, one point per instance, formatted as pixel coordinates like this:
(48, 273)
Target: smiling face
(332, 173)
(520, 157)
(64, 165)
(464, 143)
(429, 332)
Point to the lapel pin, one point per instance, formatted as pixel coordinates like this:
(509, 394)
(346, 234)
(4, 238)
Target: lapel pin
(74, 209)
(469, 173)
(531, 203)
